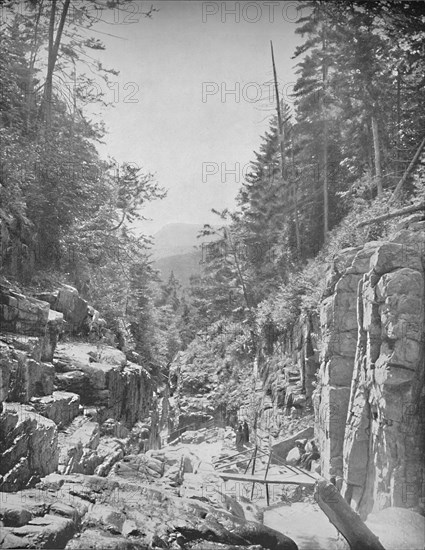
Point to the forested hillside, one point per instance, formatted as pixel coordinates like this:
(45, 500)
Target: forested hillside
(324, 165)
(336, 160)
(66, 214)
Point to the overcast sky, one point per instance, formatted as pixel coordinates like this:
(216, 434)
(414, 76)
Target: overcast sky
(175, 114)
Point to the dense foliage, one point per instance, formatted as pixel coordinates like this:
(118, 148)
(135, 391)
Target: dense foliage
(65, 213)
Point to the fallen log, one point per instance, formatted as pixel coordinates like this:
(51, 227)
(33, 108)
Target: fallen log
(401, 212)
(344, 518)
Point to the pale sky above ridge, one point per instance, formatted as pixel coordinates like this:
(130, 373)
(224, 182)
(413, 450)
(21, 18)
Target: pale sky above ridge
(194, 95)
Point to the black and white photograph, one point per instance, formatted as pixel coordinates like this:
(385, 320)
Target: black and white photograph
(212, 274)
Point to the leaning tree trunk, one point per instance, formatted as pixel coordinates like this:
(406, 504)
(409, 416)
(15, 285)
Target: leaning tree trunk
(344, 518)
(325, 137)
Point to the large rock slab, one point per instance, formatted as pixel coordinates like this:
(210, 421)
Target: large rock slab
(28, 446)
(61, 407)
(38, 519)
(73, 307)
(21, 314)
(130, 515)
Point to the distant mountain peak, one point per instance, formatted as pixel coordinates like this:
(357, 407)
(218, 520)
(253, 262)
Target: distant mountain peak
(174, 249)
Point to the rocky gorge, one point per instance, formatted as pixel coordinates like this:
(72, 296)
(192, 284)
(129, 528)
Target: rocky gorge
(94, 454)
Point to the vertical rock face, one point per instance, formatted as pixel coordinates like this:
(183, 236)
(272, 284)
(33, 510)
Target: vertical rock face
(21, 314)
(369, 399)
(383, 451)
(287, 377)
(338, 320)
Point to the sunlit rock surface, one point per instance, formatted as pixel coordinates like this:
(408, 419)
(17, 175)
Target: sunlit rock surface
(369, 402)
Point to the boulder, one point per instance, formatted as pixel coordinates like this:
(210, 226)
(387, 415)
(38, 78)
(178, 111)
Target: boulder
(61, 407)
(37, 519)
(55, 327)
(73, 307)
(49, 531)
(398, 528)
(28, 377)
(28, 446)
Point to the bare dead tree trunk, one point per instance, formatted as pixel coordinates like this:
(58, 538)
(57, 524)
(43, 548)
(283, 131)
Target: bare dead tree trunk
(33, 56)
(377, 152)
(325, 138)
(238, 269)
(282, 149)
(297, 225)
(279, 116)
(54, 43)
(398, 140)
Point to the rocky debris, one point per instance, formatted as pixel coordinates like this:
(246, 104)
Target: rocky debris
(193, 403)
(114, 394)
(113, 428)
(35, 518)
(113, 513)
(61, 407)
(28, 446)
(82, 450)
(167, 466)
